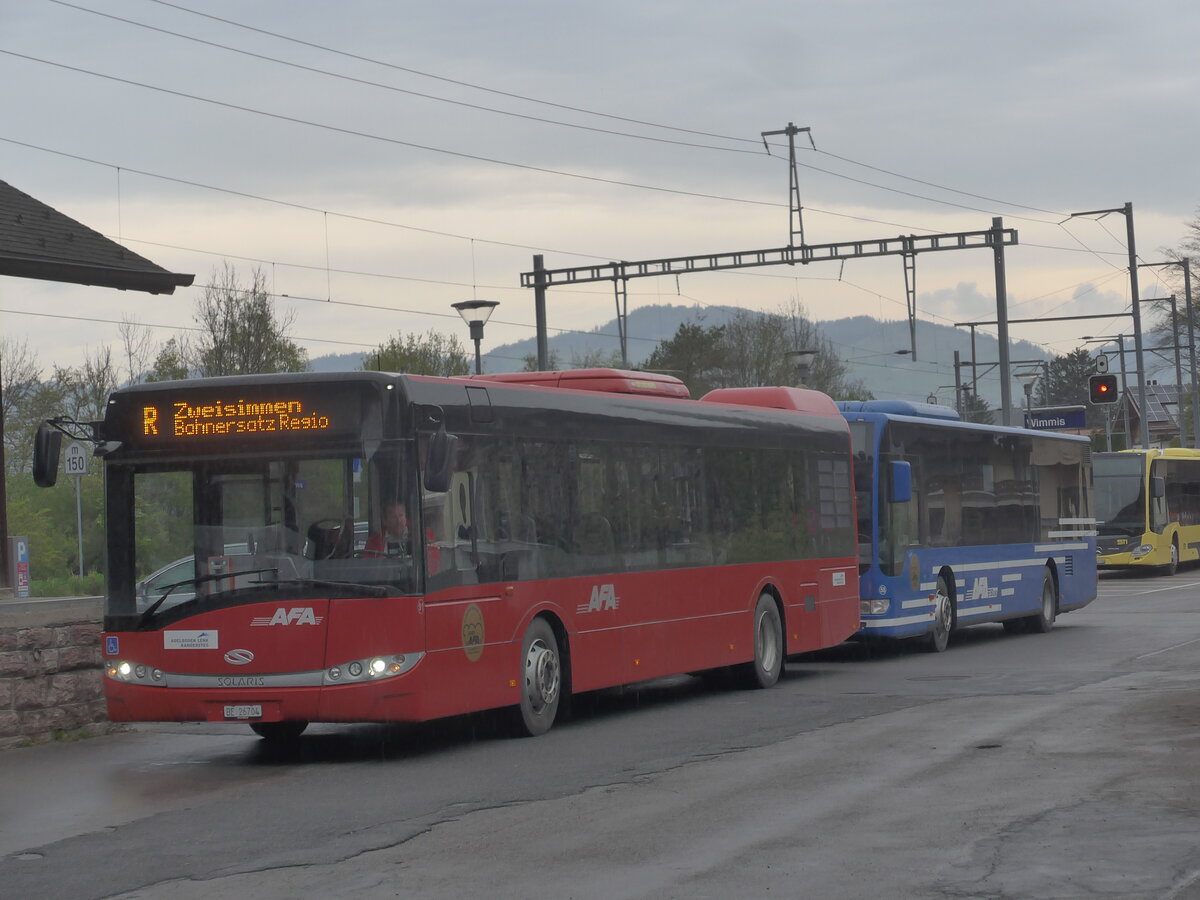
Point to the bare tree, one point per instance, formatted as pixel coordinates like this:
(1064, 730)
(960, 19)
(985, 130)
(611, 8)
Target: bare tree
(85, 389)
(21, 374)
(138, 345)
(1170, 327)
(21, 389)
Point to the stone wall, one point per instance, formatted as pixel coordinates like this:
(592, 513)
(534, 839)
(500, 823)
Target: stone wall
(50, 670)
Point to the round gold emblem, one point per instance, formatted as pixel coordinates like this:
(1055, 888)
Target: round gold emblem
(472, 632)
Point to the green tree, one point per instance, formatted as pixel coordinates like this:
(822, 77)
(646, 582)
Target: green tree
(171, 362)
(1064, 382)
(976, 409)
(693, 355)
(752, 350)
(431, 354)
(597, 359)
(240, 332)
(529, 362)
(47, 517)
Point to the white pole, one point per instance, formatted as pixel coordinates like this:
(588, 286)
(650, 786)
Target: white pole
(79, 523)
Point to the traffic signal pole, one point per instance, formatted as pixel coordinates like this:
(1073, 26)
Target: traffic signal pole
(1143, 412)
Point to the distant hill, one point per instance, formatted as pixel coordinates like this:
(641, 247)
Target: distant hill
(867, 346)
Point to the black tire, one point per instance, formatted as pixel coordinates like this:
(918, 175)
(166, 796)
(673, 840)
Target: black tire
(1043, 621)
(278, 733)
(541, 680)
(1173, 566)
(767, 666)
(938, 638)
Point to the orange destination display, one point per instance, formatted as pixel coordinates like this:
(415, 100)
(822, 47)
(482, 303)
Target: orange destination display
(241, 417)
(162, 418)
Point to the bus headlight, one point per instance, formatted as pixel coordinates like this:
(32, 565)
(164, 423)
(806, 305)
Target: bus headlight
(373, 669)
(133, 673)
(1143, 550)
(874, 606)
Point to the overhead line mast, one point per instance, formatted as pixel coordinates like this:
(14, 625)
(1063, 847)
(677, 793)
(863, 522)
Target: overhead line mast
(795, 218)
(796, 251)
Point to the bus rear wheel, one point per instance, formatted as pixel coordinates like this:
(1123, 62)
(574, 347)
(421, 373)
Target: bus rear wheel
(767, 666)
(278, 733)
(541, 679)
(1043, 621)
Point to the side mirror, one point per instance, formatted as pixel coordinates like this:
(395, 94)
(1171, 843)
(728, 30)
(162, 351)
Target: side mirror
(47, 445)
(899, 481)
(1158, 487)
(439, 460)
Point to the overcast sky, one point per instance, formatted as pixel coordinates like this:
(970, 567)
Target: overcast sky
(380, 160)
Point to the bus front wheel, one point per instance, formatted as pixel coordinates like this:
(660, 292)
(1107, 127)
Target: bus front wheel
(541, 679)
(938, 637)
(1173, 566)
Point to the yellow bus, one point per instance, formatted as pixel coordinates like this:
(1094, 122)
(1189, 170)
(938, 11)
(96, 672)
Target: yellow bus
(1147, 508)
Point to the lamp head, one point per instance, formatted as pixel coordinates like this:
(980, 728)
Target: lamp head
(475, 312)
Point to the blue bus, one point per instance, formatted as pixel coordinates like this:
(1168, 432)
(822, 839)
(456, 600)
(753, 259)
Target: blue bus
(960, 524)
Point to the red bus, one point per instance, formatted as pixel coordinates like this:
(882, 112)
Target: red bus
(587, 530)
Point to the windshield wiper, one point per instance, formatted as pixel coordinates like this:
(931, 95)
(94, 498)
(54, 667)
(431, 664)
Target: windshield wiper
(153, 607)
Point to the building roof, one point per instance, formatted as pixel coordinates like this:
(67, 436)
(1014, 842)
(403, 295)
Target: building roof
(37, 241)
(1162, 402)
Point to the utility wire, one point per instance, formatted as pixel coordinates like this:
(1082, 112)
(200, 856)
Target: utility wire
(413, 145)
(752, 142)
(756, 151)
(756, 141)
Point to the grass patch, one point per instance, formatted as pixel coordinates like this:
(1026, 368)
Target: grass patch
(68, 586)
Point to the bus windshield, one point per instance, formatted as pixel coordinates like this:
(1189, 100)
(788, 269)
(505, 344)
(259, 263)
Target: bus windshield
(219, 531)
(862, 438)
(1120, 493)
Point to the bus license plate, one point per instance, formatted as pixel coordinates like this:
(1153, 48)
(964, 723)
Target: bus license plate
(244, 711)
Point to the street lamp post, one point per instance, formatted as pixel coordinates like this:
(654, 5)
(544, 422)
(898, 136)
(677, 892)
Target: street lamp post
(476, 313)
(1028, 379)
(802, 360)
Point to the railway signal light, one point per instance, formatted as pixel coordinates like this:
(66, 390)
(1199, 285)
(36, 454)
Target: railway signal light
(1102, 389)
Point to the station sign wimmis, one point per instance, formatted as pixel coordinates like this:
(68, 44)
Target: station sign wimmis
(1056, 418)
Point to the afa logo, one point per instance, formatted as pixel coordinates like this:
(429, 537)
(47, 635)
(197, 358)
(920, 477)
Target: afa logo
(604, 597)
(980, 590)
(297, 615)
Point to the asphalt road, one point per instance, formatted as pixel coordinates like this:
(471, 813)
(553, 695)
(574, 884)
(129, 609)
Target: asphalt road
(1025, 766)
